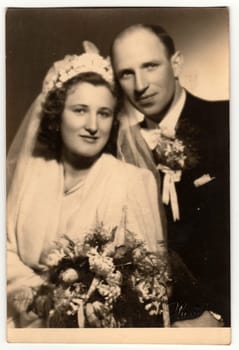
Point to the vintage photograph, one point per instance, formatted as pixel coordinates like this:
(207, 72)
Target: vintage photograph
(117, 137)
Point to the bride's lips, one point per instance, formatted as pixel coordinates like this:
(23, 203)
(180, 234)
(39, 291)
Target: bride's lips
(89, 139)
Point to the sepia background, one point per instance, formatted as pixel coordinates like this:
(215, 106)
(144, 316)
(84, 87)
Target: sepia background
(35, 38)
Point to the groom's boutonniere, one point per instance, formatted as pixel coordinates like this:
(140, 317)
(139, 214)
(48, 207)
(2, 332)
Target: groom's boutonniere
(177, 153)
(171, 152)
(174, 156)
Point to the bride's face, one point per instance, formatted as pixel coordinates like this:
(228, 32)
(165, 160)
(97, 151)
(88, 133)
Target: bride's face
(87, 119)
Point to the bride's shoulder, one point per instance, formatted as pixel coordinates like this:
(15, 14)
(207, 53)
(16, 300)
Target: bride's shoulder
(125, 169)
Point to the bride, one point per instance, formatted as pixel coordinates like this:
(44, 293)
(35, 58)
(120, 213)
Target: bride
(62, 176)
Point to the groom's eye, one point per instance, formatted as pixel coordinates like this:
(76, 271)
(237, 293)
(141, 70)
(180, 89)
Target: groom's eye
(151, 65)
(125, 74)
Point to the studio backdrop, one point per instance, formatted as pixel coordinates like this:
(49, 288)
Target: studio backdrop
(35, 38)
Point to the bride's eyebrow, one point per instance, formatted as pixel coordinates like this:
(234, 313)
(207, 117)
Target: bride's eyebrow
(78, 105)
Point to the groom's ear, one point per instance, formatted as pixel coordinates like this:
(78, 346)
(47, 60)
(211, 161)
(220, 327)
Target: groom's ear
(177, 62)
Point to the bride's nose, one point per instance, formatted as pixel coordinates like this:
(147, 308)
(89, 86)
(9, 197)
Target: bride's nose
(92, 123)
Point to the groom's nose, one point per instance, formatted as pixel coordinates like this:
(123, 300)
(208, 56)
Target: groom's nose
(140, 84)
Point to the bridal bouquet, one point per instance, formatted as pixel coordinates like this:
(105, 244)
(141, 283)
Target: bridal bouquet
(88, 283)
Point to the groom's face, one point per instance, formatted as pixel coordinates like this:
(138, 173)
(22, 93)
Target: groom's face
(145, 71)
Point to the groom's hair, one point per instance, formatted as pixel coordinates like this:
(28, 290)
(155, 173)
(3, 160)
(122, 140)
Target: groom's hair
(159, 31)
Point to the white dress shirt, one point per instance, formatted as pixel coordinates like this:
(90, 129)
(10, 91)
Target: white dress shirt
(167, 124)
(152, 136)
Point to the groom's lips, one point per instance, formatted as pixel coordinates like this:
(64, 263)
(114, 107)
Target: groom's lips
(147, 99)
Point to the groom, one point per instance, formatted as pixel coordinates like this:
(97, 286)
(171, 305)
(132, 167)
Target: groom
(184, 140)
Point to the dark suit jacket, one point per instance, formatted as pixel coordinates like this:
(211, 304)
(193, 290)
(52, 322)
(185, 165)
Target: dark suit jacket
(202, 236)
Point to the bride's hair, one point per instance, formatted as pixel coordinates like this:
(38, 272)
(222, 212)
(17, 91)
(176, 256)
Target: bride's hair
(49, 135)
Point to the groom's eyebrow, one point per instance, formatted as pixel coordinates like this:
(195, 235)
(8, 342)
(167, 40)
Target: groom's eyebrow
(142, 65)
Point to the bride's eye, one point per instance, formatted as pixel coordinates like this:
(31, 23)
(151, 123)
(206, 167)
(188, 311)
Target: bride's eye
(79, 110)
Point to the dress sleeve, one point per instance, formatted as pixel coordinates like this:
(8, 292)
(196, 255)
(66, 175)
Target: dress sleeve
(143, 211)
(19, 275)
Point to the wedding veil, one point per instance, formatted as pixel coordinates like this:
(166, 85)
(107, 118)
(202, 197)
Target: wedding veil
(131, 148)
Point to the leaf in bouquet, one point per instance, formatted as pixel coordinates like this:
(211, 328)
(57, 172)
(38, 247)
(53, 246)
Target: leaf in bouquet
(120, 252)
(112, 234)
(85, 275)
(110, 293)
(100, 316)
(71, 242)
(99, 309)
(66, 245)
(92, 288)
(22, 299)
(62, 242)
(55, 273)
(80, 250)
(124, 253)
(101, 265)
(130, 241)
(43, 304)
(114, 278)
(109, 249)
(143, 289)
(110, 321)
(81, 315)
(57, 319)
(62, 296)
(92, 319)
(139, 254)
(100, 239)
(53, 257)
(69, 248)
(153, 264)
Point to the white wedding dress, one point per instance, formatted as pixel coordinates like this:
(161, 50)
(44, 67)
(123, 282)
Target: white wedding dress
(42, 212)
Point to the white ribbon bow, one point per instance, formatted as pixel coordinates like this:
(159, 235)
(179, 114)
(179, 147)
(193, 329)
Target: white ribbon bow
(152, 138)
(169, 191)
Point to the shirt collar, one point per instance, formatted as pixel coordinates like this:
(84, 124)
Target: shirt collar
(170, 120)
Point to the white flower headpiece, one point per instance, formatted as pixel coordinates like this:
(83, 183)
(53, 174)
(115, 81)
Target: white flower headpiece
(72, 65)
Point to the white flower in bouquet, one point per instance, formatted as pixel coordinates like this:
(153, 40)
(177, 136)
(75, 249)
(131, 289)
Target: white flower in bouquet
(70, 275)
(101, 265)
(114, 278)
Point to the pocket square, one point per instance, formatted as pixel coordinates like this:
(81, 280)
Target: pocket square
(204, 179)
